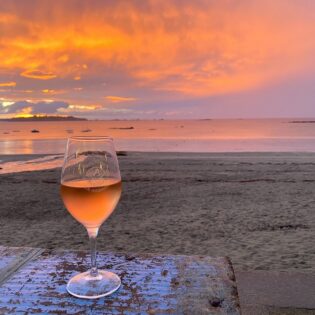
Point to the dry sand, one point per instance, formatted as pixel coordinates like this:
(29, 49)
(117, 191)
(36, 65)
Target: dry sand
(256, 208)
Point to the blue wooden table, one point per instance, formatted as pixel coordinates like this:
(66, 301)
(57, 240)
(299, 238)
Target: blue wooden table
(33, 281)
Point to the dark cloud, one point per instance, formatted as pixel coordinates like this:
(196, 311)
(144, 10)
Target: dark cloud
(36, 107)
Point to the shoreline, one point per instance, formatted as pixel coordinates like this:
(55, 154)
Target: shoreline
(15, 163)
(256, 208)
(165, 153)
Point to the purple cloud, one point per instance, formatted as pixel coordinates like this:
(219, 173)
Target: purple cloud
(34, 107)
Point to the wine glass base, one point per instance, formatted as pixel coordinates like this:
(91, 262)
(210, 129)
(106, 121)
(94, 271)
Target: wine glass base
(85, 286)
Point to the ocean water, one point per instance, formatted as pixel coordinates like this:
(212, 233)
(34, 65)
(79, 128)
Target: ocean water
(218, 135)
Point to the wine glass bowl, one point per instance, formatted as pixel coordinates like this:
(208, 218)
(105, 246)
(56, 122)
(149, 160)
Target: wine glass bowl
(90, 190)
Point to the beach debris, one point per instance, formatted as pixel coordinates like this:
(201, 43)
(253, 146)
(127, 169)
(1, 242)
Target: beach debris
(215, 302)
(152, 129)
(35, 131)
(123, 128)
(49, 181)
(6, 133)
(96, 153)
(86, 130)
(281, 227)
(16, 131)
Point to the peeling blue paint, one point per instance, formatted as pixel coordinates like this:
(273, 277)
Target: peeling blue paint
(150, 285)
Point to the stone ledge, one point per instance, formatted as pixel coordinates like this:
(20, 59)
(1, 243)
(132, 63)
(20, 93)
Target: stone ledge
(272, 292)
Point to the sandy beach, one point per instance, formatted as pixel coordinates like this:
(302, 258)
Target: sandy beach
(256, 208)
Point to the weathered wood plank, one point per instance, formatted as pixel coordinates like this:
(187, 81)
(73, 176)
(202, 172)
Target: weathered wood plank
(150, 285)
(12, 258)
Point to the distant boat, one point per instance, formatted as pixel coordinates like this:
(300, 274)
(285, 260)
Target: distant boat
(34, 131)
(122, 153)
(123, 128)
(69, 131)
(86, 130)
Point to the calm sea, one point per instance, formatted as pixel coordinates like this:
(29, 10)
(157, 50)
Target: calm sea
(218, 135)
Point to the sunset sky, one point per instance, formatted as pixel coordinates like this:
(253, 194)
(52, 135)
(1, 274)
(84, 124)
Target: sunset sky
(157, 59)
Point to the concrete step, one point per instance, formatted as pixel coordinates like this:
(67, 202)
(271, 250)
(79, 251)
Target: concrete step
(275, 293)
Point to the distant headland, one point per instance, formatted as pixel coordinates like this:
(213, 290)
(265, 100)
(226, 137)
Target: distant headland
(44, 118)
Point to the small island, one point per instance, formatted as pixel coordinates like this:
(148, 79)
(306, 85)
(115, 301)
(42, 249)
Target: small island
(44, 118)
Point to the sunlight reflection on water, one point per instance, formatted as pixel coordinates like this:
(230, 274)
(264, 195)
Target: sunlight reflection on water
(32, 146)
(48, 146)
(43, 163)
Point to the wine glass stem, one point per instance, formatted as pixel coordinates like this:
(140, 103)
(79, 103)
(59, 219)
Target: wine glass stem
(92, 237)
(93, 271)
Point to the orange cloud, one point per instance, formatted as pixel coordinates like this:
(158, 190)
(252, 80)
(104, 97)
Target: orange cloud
(52, 92)
(7, 84)
(38, 74)
(119, 99)
(84, 107)
(79, 108)
(25, 112)
(195, 48)
(63, 58)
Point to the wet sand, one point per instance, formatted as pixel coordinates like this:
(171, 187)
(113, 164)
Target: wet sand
(256, 208)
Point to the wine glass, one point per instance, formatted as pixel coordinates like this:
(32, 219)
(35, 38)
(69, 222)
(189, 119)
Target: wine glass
(90, 190)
